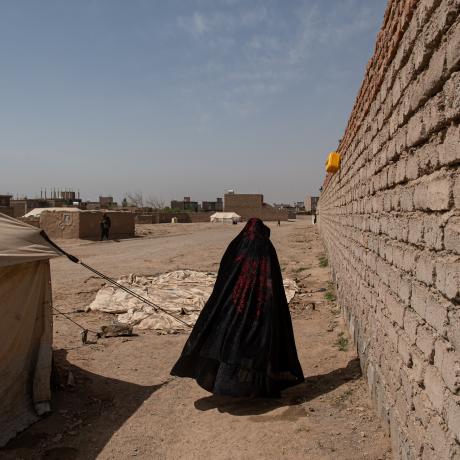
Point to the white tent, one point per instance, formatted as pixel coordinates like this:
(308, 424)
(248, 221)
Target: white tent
(25, 326)
(225, 217)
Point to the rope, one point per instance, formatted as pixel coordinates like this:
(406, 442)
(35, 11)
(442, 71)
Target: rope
(112, 281)
(76, 324)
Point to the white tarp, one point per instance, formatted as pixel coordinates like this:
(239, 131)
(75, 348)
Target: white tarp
(182, 293)
(227, 217)
(20, 242)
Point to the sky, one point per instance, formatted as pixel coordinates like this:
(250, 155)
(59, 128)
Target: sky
(180, 97)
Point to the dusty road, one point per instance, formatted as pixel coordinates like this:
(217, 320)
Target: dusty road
(116, 400)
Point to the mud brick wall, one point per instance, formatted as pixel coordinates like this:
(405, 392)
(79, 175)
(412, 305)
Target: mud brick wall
(390, 221)
(249, 205)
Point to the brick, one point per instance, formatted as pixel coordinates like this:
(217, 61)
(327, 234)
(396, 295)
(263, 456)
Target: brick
(453, 49)
(411, 322)
(396, 309)
(436, 313)
(435, 388)
(413, 167)
(456, 192)
(405, 289)
(410, 259)
(416, 226)
(450, 152)
(448, 276)
(438, 439)
(452, 97)
(439, 194)
(423, 408)
(453, 329)
(425, 342)
(425, 268)
(416, 434)
(421, 196)
(418, 300)
(433, 232)
(447, 360)
(452, 235)
(404, 350)
(453, 417)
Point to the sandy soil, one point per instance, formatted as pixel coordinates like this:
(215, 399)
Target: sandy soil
(115, 399)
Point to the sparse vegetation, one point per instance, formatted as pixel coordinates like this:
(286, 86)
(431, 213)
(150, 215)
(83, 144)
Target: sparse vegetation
(300, 269)
(330, 292)
(323, 262)
(342, 342)
(346, 395)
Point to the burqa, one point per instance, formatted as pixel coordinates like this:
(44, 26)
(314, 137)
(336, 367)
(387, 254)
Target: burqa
(242, 343)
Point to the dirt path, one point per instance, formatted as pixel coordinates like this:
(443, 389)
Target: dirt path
(120, 401)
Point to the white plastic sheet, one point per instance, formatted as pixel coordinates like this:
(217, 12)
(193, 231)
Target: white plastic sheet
(182, 293)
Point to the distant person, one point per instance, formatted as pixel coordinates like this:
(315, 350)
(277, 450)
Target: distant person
(279, 223)
(105, 227)
(242, 343)
(313, 218)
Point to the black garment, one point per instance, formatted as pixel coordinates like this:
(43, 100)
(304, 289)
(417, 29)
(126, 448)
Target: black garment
(242, 343)
(106, 223)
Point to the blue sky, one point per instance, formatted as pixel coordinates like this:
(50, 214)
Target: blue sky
(179, 97)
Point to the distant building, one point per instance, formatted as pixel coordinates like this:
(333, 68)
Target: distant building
(216, 206)
(106, 202)
(5, 205)
(249, 205)
(56, 199)
(311, 203)
(185, 205)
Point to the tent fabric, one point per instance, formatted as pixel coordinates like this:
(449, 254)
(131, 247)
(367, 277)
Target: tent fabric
(20, 243)
(182, 293)
(225, 217)
(36, 212)
(26, 351)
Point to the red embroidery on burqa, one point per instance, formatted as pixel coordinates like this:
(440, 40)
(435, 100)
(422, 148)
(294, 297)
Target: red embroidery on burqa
(246, 283)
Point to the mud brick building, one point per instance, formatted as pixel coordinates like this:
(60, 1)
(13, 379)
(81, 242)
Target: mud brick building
(5, 205)
(390, 220)
(249, 205)
(74, 223)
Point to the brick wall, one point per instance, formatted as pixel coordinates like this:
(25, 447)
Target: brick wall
(390, 221)
(165, 217)
(249, 205)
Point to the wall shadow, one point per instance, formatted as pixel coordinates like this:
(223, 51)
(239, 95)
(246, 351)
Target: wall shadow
(313, 387)
(88, 409)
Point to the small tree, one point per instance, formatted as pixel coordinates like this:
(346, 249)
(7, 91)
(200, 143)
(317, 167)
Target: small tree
(155, 203)
(136, 199)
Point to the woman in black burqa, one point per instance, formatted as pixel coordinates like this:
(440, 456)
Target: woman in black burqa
(242, 343)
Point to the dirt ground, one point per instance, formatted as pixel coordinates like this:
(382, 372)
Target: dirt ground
(115, 399)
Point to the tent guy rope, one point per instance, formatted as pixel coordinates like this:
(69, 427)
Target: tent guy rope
(112, 281)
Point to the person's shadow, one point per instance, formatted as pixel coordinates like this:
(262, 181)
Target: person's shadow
(292, 398)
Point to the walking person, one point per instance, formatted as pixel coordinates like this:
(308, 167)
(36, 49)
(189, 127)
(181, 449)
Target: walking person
(243, 343)
(106, 223)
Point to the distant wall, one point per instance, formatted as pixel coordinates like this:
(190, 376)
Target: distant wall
(164, 218)
(86, 224)
(59, 224)
(7, 210)
(249, 205)
(122, 224)
(390, 220)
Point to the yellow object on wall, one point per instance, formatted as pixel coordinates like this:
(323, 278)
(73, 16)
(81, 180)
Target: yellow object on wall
(333, 162)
